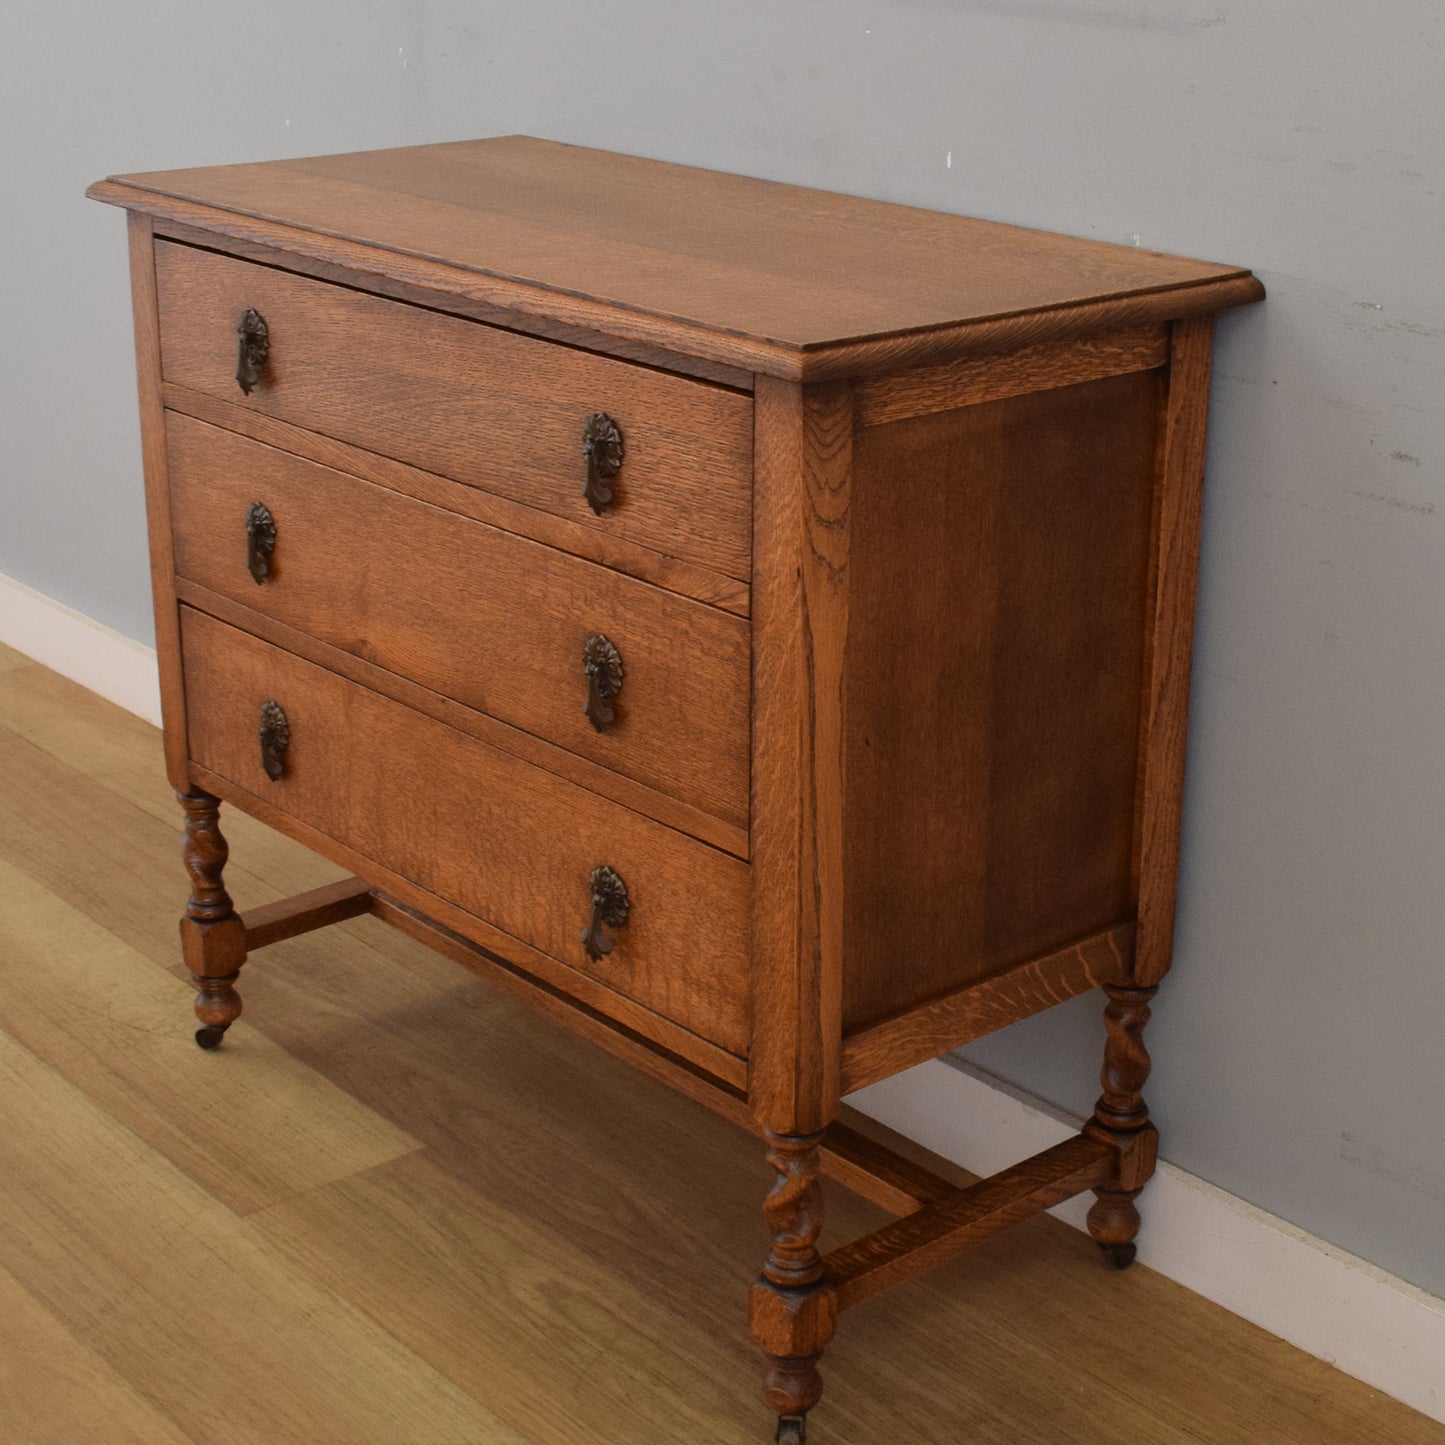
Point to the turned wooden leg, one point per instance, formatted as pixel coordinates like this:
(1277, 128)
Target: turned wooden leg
(213, 940)
(792, 1308)
(1122, 1116)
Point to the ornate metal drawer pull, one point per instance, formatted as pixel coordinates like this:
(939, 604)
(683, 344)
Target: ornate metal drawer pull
(275, 739)
(260, 540)
(602, 447)
(603, 664)
(610, 907)
(255, 347)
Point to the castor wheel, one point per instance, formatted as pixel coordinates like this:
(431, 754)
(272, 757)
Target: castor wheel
(792, 1429)
(1119, 1256)
(209, 1037)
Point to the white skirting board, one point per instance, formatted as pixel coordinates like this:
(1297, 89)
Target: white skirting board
(1337, 1307)
(1332, 1304)
(79, 647)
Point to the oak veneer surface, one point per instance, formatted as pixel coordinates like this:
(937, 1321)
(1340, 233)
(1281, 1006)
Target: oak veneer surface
(459, 1205)
(493, 620)
(999, 562)
(728, 255)
(505, 841)
(477, 403)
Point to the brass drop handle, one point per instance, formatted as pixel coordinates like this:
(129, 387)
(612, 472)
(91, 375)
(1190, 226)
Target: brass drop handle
(275, 734)
(260, 541)
(610, 907)
(602, 448)
(253, 349)
(603, 665)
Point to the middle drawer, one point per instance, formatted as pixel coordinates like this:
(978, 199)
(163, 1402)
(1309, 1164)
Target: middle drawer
(496, 622)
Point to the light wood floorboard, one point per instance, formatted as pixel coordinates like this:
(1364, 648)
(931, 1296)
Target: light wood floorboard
(398, 1208)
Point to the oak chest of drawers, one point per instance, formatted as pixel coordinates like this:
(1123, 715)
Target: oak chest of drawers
(750, 623)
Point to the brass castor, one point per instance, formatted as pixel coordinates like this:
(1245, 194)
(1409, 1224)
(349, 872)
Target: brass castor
(1119, 1256)
(792, 1429)
(209, 1037)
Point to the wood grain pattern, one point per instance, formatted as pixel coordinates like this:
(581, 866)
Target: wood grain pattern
(54, 1390)
(784, 274)
(575, 1014)
(927, 389)
(305, 912)
(1173, 580)
(507, 843)
(498, 410)
(671, 573)
(256, 1132)
(800, 620)
(151, 1263)
(582, 771)
(145, 309)
(492, 620)
(740, 379)
(921, 1241)
(998, 579)
(957, 1018)
(515, 1254)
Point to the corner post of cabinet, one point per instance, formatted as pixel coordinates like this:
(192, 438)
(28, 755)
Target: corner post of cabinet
(146, 303)
(801, 525)
(1169, 639)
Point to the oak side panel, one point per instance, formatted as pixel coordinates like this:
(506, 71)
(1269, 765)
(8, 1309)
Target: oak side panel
(157, 497)
(801, 531)
(509, 844)
(474, 613)
(1174, 584)
(487, 407)
(994, 643)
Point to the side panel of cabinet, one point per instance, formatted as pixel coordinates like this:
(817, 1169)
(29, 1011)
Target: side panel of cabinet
(158, 509)
(996, 632)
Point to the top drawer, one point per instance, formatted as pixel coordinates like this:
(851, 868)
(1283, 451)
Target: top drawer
(484, 406)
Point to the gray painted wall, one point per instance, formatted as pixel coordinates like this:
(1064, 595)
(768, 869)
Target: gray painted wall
(1298, 1043)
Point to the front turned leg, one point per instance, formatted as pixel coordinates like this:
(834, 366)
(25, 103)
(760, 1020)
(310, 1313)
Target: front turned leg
(1122, 1117)
(792, 1308)
(213, 939)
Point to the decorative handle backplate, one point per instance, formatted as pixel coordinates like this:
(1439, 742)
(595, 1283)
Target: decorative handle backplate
(275, 739)
(603, 664)
(254, 348)
(610, 907)
(260, 540)
(602, 447)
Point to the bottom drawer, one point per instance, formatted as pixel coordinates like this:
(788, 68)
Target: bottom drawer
(507, 842)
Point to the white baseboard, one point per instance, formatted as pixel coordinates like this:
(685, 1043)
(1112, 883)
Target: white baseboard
(80, 648)
(1335, 1306)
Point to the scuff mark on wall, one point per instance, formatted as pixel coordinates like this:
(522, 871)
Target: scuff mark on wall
(1418, 509)
(1372, 1157)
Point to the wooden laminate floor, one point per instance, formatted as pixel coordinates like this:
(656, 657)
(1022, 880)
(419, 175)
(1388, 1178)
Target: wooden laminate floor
(396, 1209)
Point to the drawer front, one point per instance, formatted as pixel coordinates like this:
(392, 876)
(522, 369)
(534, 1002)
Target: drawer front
(492, 620)
(484, 406)
(507, 842)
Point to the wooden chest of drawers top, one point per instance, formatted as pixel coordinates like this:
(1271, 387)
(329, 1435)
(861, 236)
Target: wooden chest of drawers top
(711, 267)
